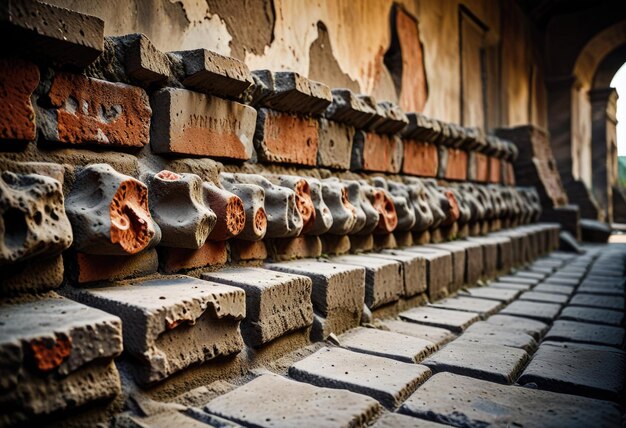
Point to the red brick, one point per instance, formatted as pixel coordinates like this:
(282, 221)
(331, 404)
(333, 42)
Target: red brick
(283, 137)
(456, 168)
(494, 170)
(481, 165)
(95, 267)
(509, 173)
(95, 111)
(377, 152)
(420, 158)
(248, 250)
(210, 254)
(18, 80)
(187, 122)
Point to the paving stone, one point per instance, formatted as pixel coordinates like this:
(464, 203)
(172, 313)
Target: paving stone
(518, 280)
(483, 307)
(538, 296)
(467, 402)
(388, 381)
(492, 334)
(396, 420)
(544, 312)
(292, 404)
(510, 286)
(55, 354)
(414, 270)
(592, 315)
(561, 281)
(594, 372)
(338, 292)
(455, 321)
(491, 293)
(554, 289)
(490, 256)
(609, 288)
(186, 122)
(384, 282)
(387, 344)
(438, 270)
(531, 275)
(593, 301)
(496, 363)
(571, 331)
(276, 302)
(163, 317)
(542, 269)
(436, 335)
(459, 265)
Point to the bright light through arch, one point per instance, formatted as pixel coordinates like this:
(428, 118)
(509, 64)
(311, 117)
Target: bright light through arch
(619, 83)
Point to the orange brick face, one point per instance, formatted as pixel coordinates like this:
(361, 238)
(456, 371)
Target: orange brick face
(494, 170)
(283, 137)
(420, 158)
(482, 167)
(382, 153)
(18, 80)
(456, 168)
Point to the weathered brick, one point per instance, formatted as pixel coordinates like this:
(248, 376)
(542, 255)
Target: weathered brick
(450, 398)
(248, 250)
(276, 302)
(144, 62)
(479, 167)
(495, 170)
(376, 152)
(55, 355)
(456, 321)
(286, 138)
(455, 163)
(539, 296)
(93, 267)
(389, 117)
(483, 307)
(388, 381)
(459, 264)
(290, 92)
(172, 323)
(438, 268)
(414, 270)
(387, 344)
(293, 404)
(534, 328)
(211, 253)
(349, 109)
(335, 144)
(571, 331)
(436, 335)
(492, 334)
(545, 312)
(92, 111)
(51, 33)
(18, 80)
(186, 122)
(420, 158)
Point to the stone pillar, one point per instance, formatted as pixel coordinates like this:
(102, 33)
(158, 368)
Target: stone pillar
(603, 141)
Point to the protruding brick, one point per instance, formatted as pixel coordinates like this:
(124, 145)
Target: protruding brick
(420, 158)
(52, 33)
(92, 111)
(253, 198)
(335, 144)
(56, 355)
(93, 267)
(376, 152)
(304, 202)
(348, 108)
(276, 303)
(286, 138)
(388, 119)
(229, 209)
(336, 196)
(163, 317)
(455, 321)
(144, 62)
(18, 80)
(213, 74)
(186, 122)
(211, 253)
(414, 270)
(438, 270)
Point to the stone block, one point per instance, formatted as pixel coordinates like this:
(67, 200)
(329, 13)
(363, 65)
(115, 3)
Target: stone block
(92, 267)
(539, 296)
(388, 119)
(396, 420)
(335, 144)
(453, 164)
(253, 198)
(56, 355)
(293, 404)
(460, 261)
(276, 302)
(413, 270)
(211, 73)
(554, 289)
(491, 255)
(211, 253)
(28, 277)
(51, 33)
(348, 108)
(484, 333)
(534, 328)
(230, 212)
(496, 363)
(510, 286)
(144, 62)
(436, 335)
(241, 250)
(483, 307)
(376, 153)
(388, 381)
(450, 398)
(571, 331)
(336, 196)
(170, 324)
(491, 293)
(593, 315)
(420, 158)
(189, 123)
(515, 279)
(455, 321)
(384, 282)
(92, 111)
(300, 247)
(109, 213)
(18, 80)
(438, 270)
(544, 312)
(389, 344)
(595, 301)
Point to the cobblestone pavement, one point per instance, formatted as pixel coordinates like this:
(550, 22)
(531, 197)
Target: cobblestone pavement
(540, 347)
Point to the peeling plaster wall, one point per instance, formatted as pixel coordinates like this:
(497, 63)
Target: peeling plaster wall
(341, 42)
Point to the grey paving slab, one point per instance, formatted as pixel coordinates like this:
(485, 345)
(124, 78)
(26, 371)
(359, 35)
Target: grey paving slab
(539, 296)
(510, 286)
(387, 344)
(595, 301)
(489, 333)
(518, 280)
(610, 288)
(287, 403)
(561, 281)
(593, 315)
(491, 293)
(542, 269)
(463, 401)
(484, 307)
(596, 373)
(455, 321)
(572, 331)
(397, 420)
(436, 335)
(386, 380)
(531, 275)
(496, 363)
(554, 288)
(544, 312)
(534, 328)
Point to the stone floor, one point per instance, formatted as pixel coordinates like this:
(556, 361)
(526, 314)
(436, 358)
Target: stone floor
(543, 346)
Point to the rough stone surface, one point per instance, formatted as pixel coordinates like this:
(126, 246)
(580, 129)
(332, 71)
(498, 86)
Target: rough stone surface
(538, 296)
(376, 153)
(384, 282)
(593, 301)
(545, 312)
(92, 267)
(396, 420)
(436, 335)
(420, 158)
(253, 198)
(496, 363)
(336, 196)
(483, 307)
(413, 270)
(593, 315)
(510, 286)
(491, 293)
(388, 344)
(276, 302)
(574, 369)
(460, 400)
(186, 122)
(144, 62)
(571, 331)
(55, 355)
(554, 289)
(293, 404)
(347, 108)
(438, 270)
(18, 80)
(388, 381)
(335, 144)
(211, 253)
(488, 333)
(230, 212)
(534, 328)
(163, 316)
(455, 321)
